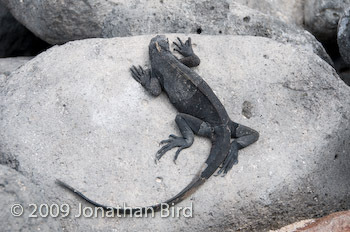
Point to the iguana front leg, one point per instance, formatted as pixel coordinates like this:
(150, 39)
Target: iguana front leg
(145, 78)
(189, 58)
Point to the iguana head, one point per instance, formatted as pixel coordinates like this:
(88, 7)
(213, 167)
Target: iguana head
(159, 43)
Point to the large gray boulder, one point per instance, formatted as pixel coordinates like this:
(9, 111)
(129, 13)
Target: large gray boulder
(75, 113)
(61, 21)
(322, 17)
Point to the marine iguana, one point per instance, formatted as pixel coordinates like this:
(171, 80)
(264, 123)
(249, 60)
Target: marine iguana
(200, 113)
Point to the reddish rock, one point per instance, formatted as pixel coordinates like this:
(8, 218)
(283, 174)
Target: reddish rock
(336, 222)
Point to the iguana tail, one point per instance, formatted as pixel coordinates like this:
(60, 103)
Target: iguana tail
(218, 153)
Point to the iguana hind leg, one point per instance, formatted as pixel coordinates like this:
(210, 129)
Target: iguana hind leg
(188, 126)
(243, 136)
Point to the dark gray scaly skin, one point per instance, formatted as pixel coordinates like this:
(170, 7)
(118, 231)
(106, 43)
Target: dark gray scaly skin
(200, 113)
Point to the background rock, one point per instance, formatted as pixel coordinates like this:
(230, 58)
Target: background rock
(286, 10)
(344, 36)
(343, 69)
(75, 113)
(17, 189)
(15, 39)
(64, 21)
(342, 62)
(322, 16)
(7, 65)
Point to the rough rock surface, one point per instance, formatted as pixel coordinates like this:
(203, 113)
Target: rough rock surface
(15, 39)
(75, 113)
(322, 17)
(344, 36)
(17, 189)
(7, 65)
(69, 20)
(286, 10)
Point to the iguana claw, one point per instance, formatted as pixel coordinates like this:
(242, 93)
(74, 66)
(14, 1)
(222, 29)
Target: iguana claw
(173, 141)
(139, 74)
